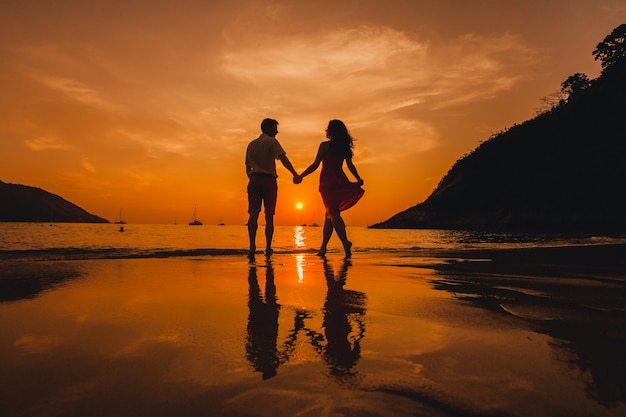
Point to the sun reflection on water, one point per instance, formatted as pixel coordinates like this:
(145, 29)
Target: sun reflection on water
(300, 267)
(299, 240)
(298, 237)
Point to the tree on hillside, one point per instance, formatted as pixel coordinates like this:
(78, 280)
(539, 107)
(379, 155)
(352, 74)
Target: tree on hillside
(574, 84)
(612, 50)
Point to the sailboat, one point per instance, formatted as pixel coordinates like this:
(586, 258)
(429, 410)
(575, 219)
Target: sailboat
(119, 220)
(195, 221)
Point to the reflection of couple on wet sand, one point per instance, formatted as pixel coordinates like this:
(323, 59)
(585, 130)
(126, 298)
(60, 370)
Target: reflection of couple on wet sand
(340, 343)
(338, 193)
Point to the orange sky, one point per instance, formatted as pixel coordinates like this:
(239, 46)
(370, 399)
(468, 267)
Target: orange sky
(148, 106)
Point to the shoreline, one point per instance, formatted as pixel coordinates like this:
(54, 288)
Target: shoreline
(614, 253)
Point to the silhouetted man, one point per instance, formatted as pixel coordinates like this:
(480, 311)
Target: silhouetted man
(261, 156)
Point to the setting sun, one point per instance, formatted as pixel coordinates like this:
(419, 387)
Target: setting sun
(299, 206)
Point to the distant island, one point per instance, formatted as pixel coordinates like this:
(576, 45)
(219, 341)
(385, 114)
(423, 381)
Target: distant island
(562, 171)
(22, 203)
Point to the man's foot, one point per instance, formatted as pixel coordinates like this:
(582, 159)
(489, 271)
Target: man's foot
(348, 248)
(251, 254)
(322, 252)
(268, 252)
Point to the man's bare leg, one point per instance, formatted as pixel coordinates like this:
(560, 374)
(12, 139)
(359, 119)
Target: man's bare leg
(269, 234)
(253, 225)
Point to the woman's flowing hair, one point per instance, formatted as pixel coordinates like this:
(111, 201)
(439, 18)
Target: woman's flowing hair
(340, 139)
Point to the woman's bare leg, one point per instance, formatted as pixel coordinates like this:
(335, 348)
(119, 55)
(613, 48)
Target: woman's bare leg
(326, 234)
(340, 228)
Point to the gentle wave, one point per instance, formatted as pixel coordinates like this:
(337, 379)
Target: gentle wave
(57, 254)
(69, 254)
(32, 242)
(112, 253)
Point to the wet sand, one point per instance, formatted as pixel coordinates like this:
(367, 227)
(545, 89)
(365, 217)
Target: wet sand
(539, 331)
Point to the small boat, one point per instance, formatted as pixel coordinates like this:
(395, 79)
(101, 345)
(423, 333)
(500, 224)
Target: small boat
(195, 221)
(119, 220)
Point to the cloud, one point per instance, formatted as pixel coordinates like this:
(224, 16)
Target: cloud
(356, 59)
(378, 76)
(75, 90)
(88, 166)
(33, 344)
(477, 67)
(45, 143)
(368, 59)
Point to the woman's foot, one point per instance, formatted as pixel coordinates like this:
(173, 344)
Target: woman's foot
(269, 252)
(348, 248)
(322, 252)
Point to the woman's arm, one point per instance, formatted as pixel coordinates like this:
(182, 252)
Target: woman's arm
(353, 170)
(321, 151)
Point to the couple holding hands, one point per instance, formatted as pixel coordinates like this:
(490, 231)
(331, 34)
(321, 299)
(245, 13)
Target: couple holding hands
(338, 193)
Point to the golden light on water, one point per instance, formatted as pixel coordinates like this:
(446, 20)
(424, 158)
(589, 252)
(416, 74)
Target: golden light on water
(300, 268)
(298, 237)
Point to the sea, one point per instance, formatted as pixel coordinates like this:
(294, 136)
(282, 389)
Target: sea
(61, 241)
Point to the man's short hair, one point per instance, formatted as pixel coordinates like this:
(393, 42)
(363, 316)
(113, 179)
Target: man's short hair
(267, 124)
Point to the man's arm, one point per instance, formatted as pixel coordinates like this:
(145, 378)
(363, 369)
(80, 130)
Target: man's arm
(248, 167)
(297, 179)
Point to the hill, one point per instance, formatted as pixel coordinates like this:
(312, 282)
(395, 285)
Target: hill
(562, 171)
(21, 203)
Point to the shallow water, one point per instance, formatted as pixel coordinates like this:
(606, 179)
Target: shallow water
(32, 241)
(380, 335)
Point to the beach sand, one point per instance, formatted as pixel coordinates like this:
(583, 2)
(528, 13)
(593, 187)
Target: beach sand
(525, 332)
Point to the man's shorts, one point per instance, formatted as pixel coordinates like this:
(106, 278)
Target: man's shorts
(262, 188)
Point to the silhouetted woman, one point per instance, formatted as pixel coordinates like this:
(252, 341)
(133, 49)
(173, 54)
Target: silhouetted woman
(338, 193)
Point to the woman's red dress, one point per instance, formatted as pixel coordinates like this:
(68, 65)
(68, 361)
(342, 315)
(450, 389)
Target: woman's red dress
(338, 193)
